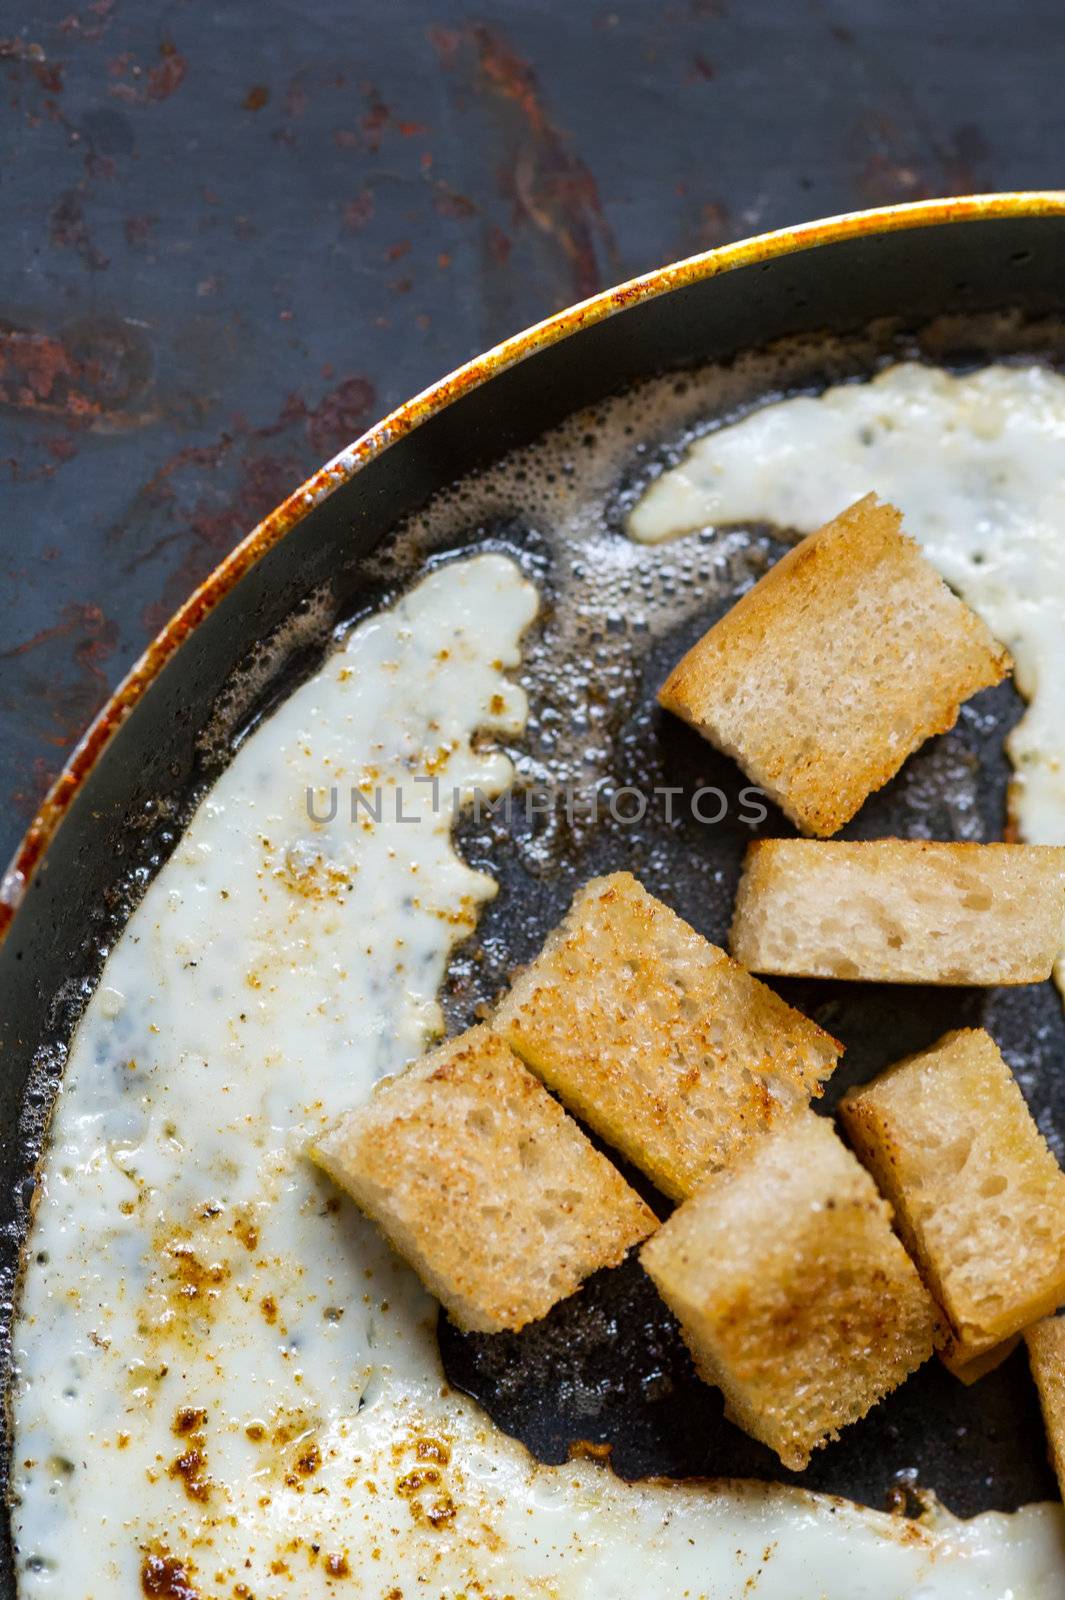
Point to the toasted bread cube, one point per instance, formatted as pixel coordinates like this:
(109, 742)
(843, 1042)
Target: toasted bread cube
(657, 1039)
(1046, 1356)
(483, 1183)
(976, 1367)
(979, 1198)
(835, 667)
(793, 1294)
(901, 910)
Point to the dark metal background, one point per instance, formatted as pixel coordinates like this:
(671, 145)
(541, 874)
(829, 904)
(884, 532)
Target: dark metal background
(235, 234)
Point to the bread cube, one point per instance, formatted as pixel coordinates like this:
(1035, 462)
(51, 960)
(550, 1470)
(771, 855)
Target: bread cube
(979, 1198)
(976, 1367)
(836, 666)
(793, 1294)
(901, 910)
(483, 1183)
(1046, 1356)
(657, 1039)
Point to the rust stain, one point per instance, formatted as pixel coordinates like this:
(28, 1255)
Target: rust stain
(136, 87)
(206, 524)
(257, 97)
(22, 50)
(202, 500)
(446, 43)
(47, 72)
(498, 246)
(26, 799)
(448, 202)
(93, 647)
(548, 184)
(68, 230)
(564, 324)
(374, 122)
(358, 212)
(38, 373)
(899, 167)
(337, 417)
(66, 703)
(94, 375)
(92, 23)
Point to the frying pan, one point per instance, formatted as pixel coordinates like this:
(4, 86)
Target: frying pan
(608, 1366)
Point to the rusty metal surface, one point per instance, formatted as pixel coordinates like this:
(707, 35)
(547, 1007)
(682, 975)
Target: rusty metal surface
(235, 236)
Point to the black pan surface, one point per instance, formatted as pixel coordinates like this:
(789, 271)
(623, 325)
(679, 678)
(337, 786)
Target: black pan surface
(608, 1365)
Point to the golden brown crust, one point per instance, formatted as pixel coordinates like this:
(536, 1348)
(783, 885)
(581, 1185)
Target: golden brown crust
(484, 1184)
(855, 609)
(979, 1198)
(793, 1293)
(970, 1370)
(1046, 1356)
(901, 910)
(658, 1039)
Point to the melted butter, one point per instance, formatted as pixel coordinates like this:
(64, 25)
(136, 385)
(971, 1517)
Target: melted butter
(227, 1385)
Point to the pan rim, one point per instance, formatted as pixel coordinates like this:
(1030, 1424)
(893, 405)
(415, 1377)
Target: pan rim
(410, 415)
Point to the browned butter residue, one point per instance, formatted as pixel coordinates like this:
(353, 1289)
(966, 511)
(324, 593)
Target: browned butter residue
(165, 1577)
(308, 1460)
(191, 1465)
(424, 1486)
(244, 1229)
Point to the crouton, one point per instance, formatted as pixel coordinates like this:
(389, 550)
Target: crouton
(480, 1179)
(793, 1294)
(657, 1039)
(1046, 1356)
(901, 910)
(978, 1196)
(836, 666)
(972, 1370)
